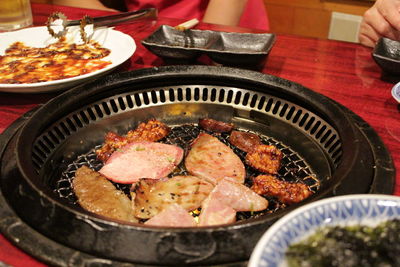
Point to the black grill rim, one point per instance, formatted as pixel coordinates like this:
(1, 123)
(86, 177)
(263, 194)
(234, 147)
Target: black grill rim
(181, 75)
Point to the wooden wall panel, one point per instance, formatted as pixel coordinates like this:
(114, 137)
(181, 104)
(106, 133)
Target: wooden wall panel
(311, 22)
(309, 18)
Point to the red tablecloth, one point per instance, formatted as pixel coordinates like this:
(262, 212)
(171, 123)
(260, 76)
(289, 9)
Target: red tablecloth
(342, 71)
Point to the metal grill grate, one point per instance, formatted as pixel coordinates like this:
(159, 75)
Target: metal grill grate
(293, 167)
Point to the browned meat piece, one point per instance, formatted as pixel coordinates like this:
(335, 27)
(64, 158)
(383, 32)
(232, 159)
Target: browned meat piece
(213, 161)
(151, 131)
(265, 158)
(150, 197)
(244, 141)
(285, 192)
(215, 126)
(112, 142)
(98, 195)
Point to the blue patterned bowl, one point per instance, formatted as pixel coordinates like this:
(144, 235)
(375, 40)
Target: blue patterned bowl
(365, 209)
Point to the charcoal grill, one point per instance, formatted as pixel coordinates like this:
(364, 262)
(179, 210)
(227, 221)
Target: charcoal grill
(319, 139)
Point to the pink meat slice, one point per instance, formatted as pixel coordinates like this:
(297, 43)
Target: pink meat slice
(212, 160)
(225, 200)
(142, 160)
(173, 216)
(238, 196)
(216, 212)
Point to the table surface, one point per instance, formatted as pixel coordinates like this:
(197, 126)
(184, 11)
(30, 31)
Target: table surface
(344, 72)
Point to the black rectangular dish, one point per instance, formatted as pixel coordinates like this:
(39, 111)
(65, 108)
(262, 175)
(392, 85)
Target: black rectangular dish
(387, 55)
(226, 48)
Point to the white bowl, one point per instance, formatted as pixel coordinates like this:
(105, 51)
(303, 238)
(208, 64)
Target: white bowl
(364, 209)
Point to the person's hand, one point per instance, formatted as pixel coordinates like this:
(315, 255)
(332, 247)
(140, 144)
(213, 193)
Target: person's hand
(381, 20)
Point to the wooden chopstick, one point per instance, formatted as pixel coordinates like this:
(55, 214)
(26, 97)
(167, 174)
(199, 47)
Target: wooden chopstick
(187, 24)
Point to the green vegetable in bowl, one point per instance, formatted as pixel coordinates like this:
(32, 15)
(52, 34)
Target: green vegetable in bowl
(349, 246)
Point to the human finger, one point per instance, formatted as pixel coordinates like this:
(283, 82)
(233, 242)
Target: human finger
(375, 20)
(367, 35)
(390, 11)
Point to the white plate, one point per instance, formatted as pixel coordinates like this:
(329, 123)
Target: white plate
(122, 47)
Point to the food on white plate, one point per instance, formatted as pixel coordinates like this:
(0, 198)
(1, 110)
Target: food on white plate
(152, 130)
(173, 215)
(245, 141)
(265, 158)
(213, 161)
(355, 245)
(150, 197)
(215, 126)
(22, 64)
(142, 160)
(285, 192)
(227, 196)
(98, 195)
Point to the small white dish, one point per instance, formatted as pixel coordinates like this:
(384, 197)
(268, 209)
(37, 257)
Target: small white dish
(359, 209)
(122, 47)
(396, 92)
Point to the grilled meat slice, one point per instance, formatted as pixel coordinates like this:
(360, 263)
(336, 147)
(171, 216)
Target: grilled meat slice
(215, 126)
(216, 212)
(245, 141)
(142, 160)
(285, 192)
(265, 158)
(98, 195)
(152, 131)
(173, 215)
(226, 198)
(153, 196)
(212, 160)
(239, 196)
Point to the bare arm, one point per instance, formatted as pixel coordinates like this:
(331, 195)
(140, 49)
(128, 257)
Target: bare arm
(93, 4)
(225, 12)
(381, 20)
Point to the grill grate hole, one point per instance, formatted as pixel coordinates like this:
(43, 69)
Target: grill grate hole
(309, 123)
(121, 103)
(54, 138)
(261, 103)
(269, 105)
(238, 96)
(99, 111)
(106, 109)
(146, 100)
(188, 94)
(253, 101)
(229, 97)
(113, 105)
